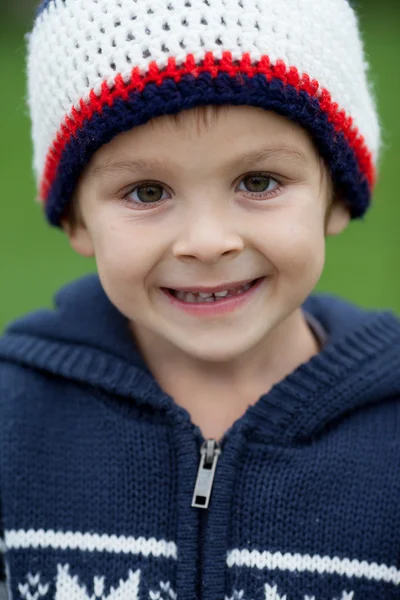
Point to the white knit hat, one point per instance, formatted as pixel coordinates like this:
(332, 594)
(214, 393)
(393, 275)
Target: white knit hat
(100, 67)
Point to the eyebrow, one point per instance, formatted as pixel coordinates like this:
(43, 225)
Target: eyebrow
(278, 153)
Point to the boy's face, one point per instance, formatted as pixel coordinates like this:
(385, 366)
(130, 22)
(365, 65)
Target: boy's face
(180, 204)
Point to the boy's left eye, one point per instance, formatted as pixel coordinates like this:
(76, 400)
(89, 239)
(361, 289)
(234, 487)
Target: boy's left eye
(258, 183)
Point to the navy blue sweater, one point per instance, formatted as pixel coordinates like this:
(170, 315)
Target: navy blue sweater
(98, 468)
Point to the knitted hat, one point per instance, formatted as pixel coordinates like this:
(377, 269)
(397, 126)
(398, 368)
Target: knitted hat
(100, 67)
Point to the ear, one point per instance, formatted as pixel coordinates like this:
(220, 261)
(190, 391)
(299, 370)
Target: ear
(79, 237)
(338, 218)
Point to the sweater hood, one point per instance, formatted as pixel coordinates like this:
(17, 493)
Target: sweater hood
(86, 339)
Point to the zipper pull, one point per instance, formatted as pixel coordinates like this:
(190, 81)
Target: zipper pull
(210, 452)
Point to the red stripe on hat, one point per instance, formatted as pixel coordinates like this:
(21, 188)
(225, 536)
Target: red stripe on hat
(288, 75)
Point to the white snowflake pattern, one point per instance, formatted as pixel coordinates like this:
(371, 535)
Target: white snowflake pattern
(33, 589)
(345, 596)
(164, 593)
(68, 587)
(236, 595)
(271, 593)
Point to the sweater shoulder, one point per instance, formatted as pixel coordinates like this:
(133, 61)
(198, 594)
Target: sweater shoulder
(20, 383)
(30, 396)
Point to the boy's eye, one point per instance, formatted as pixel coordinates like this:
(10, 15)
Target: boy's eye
(148, 193)
(258, 184)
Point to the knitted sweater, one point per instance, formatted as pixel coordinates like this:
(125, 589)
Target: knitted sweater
(98, 468)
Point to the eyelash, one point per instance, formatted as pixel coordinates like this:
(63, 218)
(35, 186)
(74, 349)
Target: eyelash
(148, 205)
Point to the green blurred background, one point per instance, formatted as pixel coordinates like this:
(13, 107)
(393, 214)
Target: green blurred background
(363, 264)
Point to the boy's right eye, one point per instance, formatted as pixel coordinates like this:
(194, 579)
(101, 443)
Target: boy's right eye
(146, 193)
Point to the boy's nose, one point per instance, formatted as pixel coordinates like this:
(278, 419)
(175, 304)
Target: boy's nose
(207, 239)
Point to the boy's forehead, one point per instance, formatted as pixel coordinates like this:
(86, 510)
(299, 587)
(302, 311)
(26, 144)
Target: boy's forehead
(245, 133)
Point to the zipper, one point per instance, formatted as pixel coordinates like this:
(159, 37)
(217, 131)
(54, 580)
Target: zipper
(209, 454)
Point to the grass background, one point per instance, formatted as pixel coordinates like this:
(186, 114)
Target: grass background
(363, 264)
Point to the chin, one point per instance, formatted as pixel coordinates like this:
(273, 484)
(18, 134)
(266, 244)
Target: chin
(215, 352)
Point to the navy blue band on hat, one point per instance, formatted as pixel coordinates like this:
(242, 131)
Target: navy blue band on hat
(171, 97)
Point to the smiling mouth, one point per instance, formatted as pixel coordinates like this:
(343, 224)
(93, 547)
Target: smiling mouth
(208, 297)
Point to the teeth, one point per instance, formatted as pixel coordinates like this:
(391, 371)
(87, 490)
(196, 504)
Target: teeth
(209, 297)
(189, 297)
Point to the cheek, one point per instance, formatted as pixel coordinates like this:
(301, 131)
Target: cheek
(296, 248)
(124, 255)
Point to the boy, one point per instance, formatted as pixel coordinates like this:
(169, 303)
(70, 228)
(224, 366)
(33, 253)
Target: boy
(192, 423)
